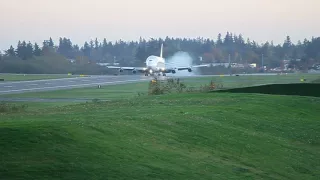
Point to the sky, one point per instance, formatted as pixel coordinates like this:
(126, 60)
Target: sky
(82, 20)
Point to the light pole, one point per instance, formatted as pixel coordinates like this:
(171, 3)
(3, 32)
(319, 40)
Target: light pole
(262, 63)
(230, 65)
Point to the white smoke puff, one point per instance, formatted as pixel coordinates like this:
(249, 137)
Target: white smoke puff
(181, 59)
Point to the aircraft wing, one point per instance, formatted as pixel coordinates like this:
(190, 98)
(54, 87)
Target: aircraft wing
(127, 68)
(194, 66)
(179, 68)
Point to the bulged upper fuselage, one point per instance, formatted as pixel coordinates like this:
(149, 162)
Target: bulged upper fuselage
(155, 63)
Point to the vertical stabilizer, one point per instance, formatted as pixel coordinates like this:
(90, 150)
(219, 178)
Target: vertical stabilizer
(161, 51)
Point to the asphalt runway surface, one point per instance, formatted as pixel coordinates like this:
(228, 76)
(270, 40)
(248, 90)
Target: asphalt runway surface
(78, 82)
(66, 83)
(14, 87)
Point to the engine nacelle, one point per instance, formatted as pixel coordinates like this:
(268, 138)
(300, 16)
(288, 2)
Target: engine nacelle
(120, 70)
(173, 71)
(189, 69)
(134, 71)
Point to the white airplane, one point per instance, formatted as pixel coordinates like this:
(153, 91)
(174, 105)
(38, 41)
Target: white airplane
(156, 65)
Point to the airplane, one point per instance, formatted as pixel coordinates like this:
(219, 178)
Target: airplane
(156, 65)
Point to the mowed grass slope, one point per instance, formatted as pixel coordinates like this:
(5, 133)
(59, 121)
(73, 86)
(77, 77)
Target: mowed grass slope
(184, 136)
(251, 80)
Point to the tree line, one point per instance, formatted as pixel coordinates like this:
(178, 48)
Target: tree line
(231, 47)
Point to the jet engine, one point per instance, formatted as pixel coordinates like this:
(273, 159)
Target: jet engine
(189, 69)
(120, 70)
(173, 71)
(134, 71)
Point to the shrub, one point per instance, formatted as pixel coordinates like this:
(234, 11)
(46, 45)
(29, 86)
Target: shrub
(157, 87)
(8, 107)
(96, 100)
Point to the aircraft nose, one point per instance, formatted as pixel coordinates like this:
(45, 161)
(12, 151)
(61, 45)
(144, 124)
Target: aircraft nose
(151, 63)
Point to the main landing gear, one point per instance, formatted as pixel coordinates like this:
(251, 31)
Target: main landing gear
(147, 74)
(163, 74)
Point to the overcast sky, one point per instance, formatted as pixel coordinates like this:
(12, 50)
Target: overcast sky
(81, 20)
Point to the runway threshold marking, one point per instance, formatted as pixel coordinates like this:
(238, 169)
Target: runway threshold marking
(76, 85)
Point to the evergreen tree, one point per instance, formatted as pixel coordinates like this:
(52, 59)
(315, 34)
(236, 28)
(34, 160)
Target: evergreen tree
(65, 47)
(19, 50)
(22, 51)
(10, 52)
(96, 44)
(29, 51)
(37, 50)
(287, 47)
(50, 44)
(219, 40)
(91, 44)
(134, 53)
(312, 49)
(86, 49)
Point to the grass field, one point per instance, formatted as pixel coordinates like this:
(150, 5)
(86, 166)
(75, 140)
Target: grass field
(27, 77)
(250, 80)
(132, 89)
(180, 136)
(35, 106)
(175, 136)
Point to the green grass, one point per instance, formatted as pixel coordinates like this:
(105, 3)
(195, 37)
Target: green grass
(27, 77)
(184, 136)
(34, 106)
(250, 80)
(106, 92)
(132, 89)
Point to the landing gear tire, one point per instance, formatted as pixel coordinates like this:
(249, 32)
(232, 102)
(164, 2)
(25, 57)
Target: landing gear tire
(159, 74)
(164, 74)
(145, 74)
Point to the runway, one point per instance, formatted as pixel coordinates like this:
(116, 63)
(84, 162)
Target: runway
(66, 83)
(78, 82)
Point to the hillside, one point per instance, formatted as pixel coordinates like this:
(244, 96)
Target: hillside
(193, 136)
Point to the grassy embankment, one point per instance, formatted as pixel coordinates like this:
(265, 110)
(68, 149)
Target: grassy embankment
(176, 136)
(180, 136)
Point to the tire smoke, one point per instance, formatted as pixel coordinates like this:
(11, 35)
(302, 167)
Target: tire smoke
(181, 59)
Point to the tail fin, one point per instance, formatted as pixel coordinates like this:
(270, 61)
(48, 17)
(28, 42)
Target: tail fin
(161, 51)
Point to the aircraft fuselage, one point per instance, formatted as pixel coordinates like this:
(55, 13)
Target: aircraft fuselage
(155, 64)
